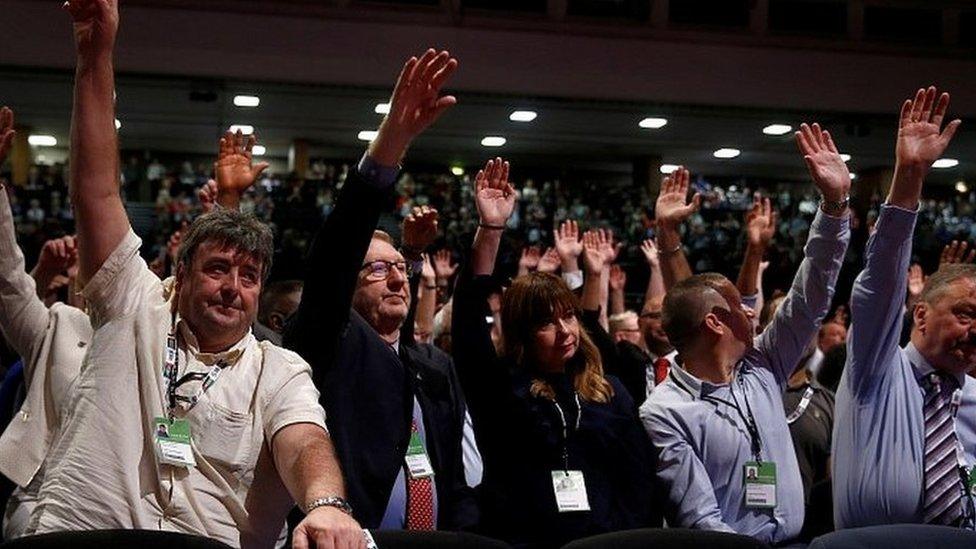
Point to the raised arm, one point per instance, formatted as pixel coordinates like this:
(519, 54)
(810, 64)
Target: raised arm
(670, 211)
(495, 198)
(618, 281)
(879, 291)
(337, 251)
(797, 320)
(94, 157)
(655, 282)
(569, 247)
(760, 227)
(234, 169)
(419, 231)
(6, 132)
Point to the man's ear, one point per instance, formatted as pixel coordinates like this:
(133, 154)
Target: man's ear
(919, 314)
(712, 324)
(276, 321)
(180, 276)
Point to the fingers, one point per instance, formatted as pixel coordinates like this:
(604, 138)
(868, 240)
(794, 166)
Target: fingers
(917, 105)
(940, 109)
(829, 141)
(928, 104)
(438, 80)
(259, 169)
(949, 131)
(906, 113)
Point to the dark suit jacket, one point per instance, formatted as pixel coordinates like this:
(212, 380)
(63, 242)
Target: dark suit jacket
(367, 388)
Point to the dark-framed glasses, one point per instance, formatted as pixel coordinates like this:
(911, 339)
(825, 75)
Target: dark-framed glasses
(380, 269)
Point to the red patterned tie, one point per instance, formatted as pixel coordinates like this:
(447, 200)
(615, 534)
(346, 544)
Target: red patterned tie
(661, 366)
(420, 498)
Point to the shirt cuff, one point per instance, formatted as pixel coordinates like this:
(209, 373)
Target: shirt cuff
(377, 175)
(751, 300)
(895, 220)
(574, 279)
(824, 223)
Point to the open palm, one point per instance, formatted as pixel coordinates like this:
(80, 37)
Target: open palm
(827, 168)
(234, 170)
(672, 207)
(920, 141)
(494, 195)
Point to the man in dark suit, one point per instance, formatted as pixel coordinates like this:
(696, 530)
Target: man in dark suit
(394, 411)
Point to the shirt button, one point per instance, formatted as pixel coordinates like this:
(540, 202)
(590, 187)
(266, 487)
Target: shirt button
(24, 415)
(81, 344)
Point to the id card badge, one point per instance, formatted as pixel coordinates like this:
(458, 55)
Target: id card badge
(570, 489)
(173, 442)
(971, 482)
(418, 463)
(760, 481)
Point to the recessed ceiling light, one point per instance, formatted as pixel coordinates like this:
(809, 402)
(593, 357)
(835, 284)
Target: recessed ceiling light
(653, 123)
(777, 129)
(962, 187)
(493, 141)
(945, 163)
(727, 153)
(845, 157)
(42, 140)
(367, 135)
(668, 168)
(244, 129)
(522, 116)
(457, 170)
(247, 101)
(853, 176)
(118, 124)
(259, 150)
(382, 108)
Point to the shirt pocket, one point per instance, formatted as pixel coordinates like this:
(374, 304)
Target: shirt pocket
(225, 440)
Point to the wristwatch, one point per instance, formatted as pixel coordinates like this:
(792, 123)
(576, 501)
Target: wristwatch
(331, 501)
(835, 207)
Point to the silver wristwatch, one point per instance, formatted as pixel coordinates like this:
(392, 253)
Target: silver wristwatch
(835, 207)
(331, 501)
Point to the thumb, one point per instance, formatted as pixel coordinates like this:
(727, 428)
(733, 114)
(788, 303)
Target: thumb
(259, 169)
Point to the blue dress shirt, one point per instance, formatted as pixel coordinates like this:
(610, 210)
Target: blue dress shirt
(879, 434)
(705, 444)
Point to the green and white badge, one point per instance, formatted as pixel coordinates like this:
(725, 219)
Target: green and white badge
(418, 463)
(971, 481)
(570, 489)
(173, 442)
(760, 482)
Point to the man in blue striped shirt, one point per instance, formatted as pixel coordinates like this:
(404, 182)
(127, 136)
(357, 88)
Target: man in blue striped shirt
(899, 455)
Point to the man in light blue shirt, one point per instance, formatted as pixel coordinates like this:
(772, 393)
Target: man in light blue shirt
(893, 461)
(718, 419)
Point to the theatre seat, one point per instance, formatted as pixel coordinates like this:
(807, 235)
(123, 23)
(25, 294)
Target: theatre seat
(110, 539)
(667, 538)
(897, 535)
(400, 539)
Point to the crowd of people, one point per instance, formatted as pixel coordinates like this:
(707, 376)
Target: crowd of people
(482, 365)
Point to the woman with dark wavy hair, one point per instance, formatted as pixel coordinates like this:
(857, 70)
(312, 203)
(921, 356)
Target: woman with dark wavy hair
(565, 455)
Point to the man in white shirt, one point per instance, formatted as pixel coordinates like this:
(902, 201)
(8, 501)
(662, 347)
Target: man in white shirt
(244, 435)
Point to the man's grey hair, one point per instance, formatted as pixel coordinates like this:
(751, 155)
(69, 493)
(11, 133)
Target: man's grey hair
(937, 284)
(229, 229)
(686, 305)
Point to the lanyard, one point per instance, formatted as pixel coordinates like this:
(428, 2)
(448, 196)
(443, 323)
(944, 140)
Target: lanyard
(562, 419)
(750, 421)
(801, 407)
(171, 370)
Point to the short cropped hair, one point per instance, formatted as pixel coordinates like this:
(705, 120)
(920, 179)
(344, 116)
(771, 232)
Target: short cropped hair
(230, 229)
(272, 293)
(385, 237)
(686, 305)
(937, 284)
(620, 320)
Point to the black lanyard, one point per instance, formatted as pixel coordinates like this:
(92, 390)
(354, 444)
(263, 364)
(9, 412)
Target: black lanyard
(747, 418)
(562, 419)
(171, 370)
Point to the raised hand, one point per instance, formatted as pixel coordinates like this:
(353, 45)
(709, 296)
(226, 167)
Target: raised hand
(419, 230)
(760, 223)
(207, 195)
(233, 169)
(427, 272)
(58, 255)
(529, 260)
(444, 264)
(96, 24)
(608, 250)
(828, 170)
(494, 195)
(649, 249)
(672, 208)
(593, 258)
(6, 132)
(921, 139)
(916, 281)
(955, 252)
(416, 103)
(568, 243)
(618, 278)
(549, 262)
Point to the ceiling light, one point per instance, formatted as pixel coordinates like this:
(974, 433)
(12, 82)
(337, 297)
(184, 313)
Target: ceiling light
(118, 124)
(727, 153)
(382, 108)
(259, 150)
(493, 141)
(244, 129)
(457, 170)
(853, 176)
(247, 100)
(845, 157)
(668, 168)
(522, 116)
(653, 123)
(42, 140)
(777, 129)
(945, 163)
(367, 135)
(962, 187)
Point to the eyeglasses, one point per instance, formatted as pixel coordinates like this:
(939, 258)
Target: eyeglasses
(381, 269)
